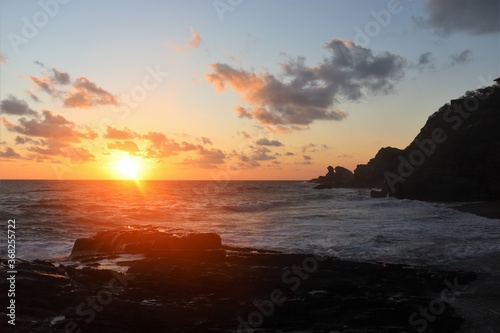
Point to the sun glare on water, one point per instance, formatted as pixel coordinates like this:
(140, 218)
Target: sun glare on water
(128, 167)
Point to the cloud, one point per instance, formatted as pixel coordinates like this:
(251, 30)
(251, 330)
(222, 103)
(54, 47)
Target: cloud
(205, 140)
(75, 154)
(20, 140)
(14, 106)
(306, 159)
(85, 94)
(113, 133)
(468, 16)
(425, 60)
(261, 154)
(52, 127)
(128, 146)
(196, 39)
(161, 146)
(60, 77)
(245, 134)
(9, 153)
(193, 43)
(45, 84)
(206, 158)
(307, 93)
(289, 153)
(310, 147)
(56, 136)
(461, 58)
(267, 142)
(2, 58)
(34, 97)
(81, 93)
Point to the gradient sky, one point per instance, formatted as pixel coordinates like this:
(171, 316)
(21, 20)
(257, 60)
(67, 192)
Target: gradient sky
(227, 90)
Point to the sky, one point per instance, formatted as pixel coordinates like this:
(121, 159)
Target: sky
(229, 89)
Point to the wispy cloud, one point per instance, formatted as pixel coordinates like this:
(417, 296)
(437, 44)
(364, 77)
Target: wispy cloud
(119, 134)
(425, 61)
(308, 93)
(161, 146)
(461, 58)
(128, 146)
(193, 43)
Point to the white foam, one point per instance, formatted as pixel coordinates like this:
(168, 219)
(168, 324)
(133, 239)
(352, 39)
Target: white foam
(251, 206)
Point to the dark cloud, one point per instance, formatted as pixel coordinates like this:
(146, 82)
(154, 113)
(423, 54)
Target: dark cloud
(469, 16)
(21, 140)
(461, 58)
(307, 93)
(14, 106)
(60, 77)
(117, 134)
(205, 140)
(128, 146)
(267, 142)
(425, 60)
(262, 154)
(289, 153)
(306, 159)
(9, 153)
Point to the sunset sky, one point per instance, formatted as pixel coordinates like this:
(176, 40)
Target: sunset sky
(228, 89)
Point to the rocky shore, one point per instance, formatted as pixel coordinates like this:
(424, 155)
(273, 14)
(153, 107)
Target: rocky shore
(146, 280)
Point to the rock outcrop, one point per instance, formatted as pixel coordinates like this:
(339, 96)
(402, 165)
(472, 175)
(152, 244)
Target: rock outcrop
(455, 157)
(336, 177)
(192, 283)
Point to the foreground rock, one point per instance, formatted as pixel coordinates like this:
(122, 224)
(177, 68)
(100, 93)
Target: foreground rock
(192, 283)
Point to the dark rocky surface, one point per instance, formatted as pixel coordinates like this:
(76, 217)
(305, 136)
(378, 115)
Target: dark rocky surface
(193, 283)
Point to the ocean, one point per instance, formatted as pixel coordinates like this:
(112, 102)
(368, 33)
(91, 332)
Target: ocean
(288, 216)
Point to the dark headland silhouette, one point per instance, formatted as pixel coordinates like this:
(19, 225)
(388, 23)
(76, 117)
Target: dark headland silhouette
(455, 157)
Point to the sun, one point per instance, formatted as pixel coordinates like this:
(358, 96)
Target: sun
(128, 167)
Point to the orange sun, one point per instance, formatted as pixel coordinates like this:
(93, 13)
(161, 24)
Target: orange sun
(128, 167)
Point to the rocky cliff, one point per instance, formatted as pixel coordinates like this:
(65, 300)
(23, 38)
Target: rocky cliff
(454, 157)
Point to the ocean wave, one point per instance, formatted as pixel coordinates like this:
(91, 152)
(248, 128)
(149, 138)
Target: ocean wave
(258, 206)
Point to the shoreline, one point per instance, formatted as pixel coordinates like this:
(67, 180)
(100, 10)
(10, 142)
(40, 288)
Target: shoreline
(194, 283)
(488, 209)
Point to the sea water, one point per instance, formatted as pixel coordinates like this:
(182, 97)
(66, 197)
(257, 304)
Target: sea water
(288, 216)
